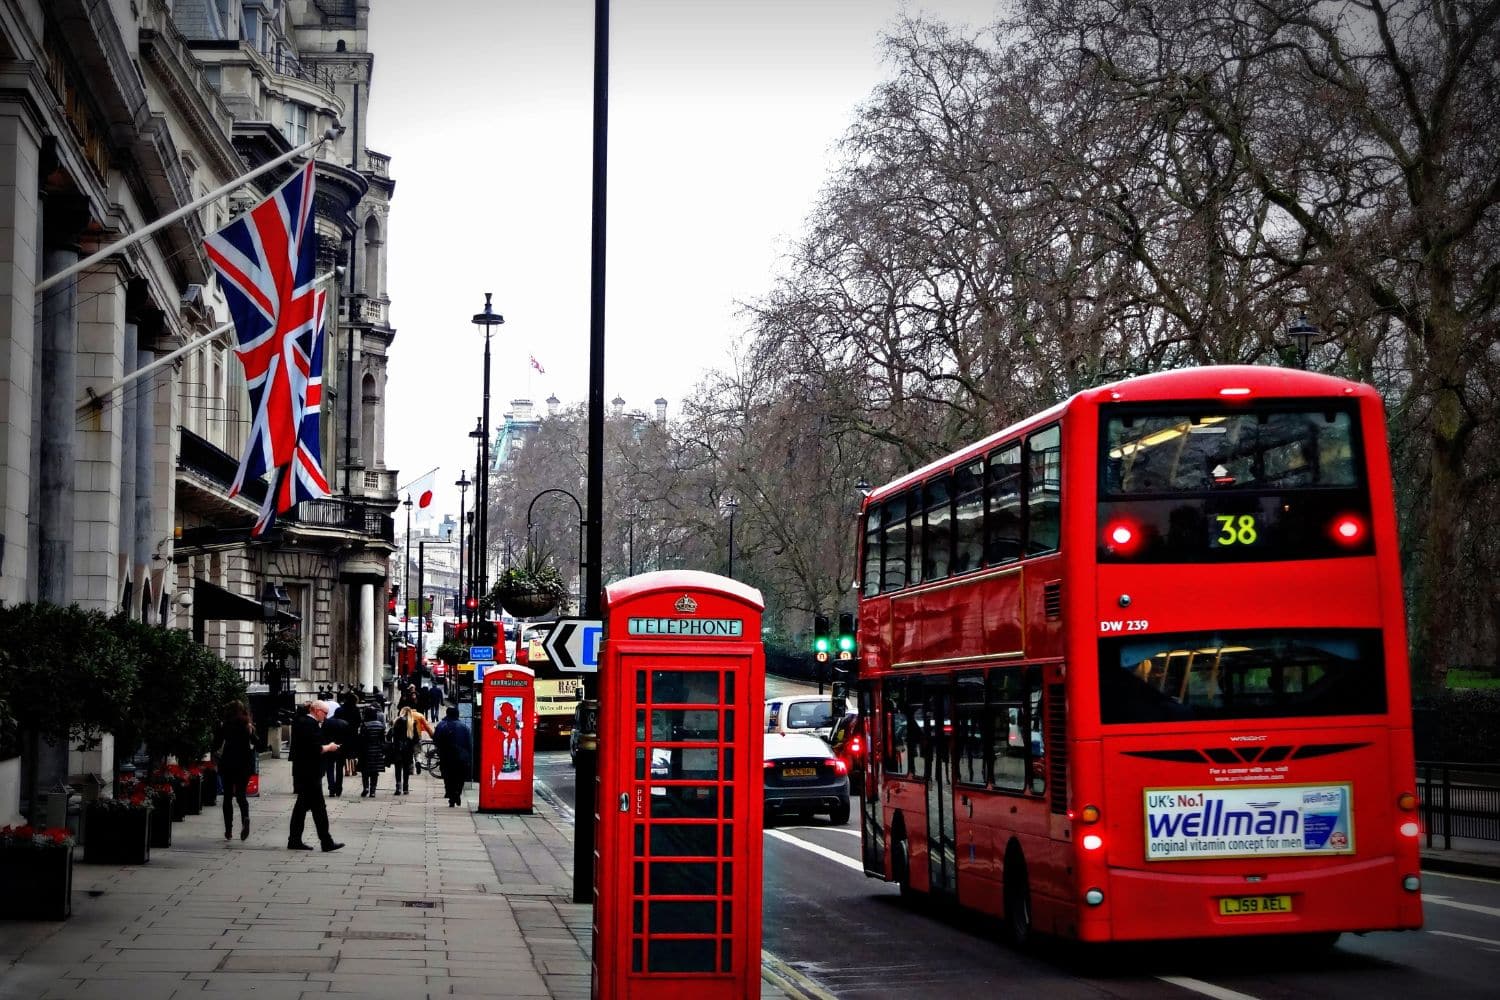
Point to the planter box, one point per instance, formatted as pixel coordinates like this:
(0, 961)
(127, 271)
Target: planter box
(192, 802)
(161, 826)
(179, 801)
(38, 883)
(118, 836)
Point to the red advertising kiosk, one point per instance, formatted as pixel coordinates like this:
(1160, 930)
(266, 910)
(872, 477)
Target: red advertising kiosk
(677, 894)
(508, 713)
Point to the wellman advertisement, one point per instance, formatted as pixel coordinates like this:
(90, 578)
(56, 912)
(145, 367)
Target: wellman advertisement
(1249, 821)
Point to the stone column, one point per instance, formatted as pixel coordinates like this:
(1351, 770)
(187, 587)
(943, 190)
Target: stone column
(126, 536)
(98, 439)
(57, 389)
(145, 480)
(367, 635)
(20, 161)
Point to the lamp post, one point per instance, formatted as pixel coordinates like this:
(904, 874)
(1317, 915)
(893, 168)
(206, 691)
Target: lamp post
(1302, 333)
(479, 478)
(731, 505)
(406, 581)
(580, 534)
(489, 319)
(463, 591)
(421, 618)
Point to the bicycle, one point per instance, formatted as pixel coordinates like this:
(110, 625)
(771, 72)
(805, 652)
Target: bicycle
(427, 758)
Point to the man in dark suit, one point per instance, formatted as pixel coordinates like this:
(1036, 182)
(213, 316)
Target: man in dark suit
(307, 752)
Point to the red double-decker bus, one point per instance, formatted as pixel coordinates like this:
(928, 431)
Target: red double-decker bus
(1136, 667)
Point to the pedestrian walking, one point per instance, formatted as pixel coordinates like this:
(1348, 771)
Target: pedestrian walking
(435, 698)
(348, 713)
(454, 754)
(307, 752)
(371, 750)
(235, 756)
(405, 732)
(335, 730)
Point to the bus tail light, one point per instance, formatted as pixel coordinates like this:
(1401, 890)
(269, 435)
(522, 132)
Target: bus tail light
(854, 747)
(1410, 828)
(1094, 897)
(1406, 801)
(1092, 841)
(1348, 530)
(1411, 883)
(1088, 814)
(1122, 537)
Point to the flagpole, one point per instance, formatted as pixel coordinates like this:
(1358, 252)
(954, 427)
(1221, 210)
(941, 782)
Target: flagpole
(416, 479)
(96, 399)
(167, 220)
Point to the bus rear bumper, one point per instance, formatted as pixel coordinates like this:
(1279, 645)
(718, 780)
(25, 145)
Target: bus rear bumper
(1360, 896)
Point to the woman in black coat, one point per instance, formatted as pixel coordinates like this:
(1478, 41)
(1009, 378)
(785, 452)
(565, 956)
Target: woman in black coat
(371, 750)
(236, 762)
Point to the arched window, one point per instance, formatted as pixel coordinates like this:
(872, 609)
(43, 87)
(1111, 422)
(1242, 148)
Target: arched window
(374, 275)
(368, 417)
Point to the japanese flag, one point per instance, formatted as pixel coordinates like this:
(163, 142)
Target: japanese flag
(421, 493)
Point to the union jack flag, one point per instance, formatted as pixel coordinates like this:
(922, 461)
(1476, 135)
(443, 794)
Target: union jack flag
(265, 260)
(303, 479)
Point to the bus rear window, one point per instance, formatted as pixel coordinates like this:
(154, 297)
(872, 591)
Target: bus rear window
(1215, 451)
(1214, 485)
(1241, 675)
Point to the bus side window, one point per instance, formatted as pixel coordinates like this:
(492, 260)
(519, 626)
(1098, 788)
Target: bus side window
(937, 548)
(1043, 491)
(873, 539)
(1007, 737)
(968, 729)
(1037, 744)
(894, 738)
(1002, 523)
(968, 517)
(893, 521)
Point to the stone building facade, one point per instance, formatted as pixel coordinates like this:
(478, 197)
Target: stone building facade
(121, 419)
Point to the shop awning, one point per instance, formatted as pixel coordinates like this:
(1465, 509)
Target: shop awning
(213, 603)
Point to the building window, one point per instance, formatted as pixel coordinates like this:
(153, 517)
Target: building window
(296, 124)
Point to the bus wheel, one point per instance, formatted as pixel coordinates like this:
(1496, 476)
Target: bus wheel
(1017, 900)
(901, 867)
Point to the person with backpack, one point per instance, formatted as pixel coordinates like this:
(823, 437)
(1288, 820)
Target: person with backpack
(405, 731)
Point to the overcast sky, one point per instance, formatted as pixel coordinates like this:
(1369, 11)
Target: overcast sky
(723, 115)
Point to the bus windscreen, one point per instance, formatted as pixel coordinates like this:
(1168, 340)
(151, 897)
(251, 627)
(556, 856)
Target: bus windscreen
(1261, 674)
(1214, 485)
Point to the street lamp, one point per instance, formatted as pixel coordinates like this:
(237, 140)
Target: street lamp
(731, 505)
(463, 485)
(489, 319)
(1302, 333)
(479, 477)
(580, 534)
(406, 585)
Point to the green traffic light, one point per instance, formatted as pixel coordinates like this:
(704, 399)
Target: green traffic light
(820, 644)
(846, 643)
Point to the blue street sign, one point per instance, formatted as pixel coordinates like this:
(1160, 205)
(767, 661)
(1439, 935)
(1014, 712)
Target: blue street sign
(477, 653)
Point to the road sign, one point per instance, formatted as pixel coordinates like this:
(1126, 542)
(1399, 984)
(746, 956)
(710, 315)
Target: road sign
(477, 653)
(480, 667)
(573, 644)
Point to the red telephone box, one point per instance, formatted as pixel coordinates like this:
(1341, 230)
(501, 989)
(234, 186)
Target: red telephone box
(508, 713)
(677, 890)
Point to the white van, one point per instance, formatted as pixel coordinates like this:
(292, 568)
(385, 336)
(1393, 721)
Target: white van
(801, 713)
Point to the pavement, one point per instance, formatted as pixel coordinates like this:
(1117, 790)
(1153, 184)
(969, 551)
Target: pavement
(423, 901)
